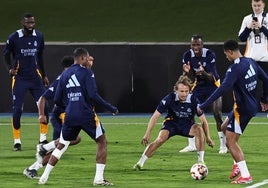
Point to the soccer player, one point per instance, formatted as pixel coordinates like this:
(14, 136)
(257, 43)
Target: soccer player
(57, 117)
(201, 62)
(242, 77)
(180, 107)
(77, 93)
(27, 72)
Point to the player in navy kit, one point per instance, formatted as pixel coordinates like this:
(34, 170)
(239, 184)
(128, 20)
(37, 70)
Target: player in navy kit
(180, 107)
(57, 118)
(77, 93)
(201, 62)
(27, 72)
(242, 77)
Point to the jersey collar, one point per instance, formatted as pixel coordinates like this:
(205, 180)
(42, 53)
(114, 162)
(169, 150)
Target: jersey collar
(20, 32)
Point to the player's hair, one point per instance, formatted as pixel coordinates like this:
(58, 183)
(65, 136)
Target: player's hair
(80, 52)
(196, 37)
(185, 80)
(259, 1)
(230, 45)
(67, 61)
(27, 15)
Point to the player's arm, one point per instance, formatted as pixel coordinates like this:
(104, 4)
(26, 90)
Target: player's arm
(150, 126)
(41, 110)
(205, 127)
(8, 58)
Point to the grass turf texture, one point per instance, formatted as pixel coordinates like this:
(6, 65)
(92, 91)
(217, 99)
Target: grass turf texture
(167, 168)
(127, 20)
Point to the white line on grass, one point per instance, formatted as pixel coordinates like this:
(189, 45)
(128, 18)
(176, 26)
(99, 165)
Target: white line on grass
(258, 184)
(109, 123)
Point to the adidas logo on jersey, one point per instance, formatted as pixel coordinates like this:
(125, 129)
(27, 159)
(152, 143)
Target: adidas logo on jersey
(73, 82)
(251, 72)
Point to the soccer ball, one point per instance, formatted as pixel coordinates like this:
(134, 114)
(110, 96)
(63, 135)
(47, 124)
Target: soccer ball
(199, 171)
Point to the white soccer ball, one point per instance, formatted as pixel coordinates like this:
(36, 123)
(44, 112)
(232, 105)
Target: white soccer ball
(199, 171)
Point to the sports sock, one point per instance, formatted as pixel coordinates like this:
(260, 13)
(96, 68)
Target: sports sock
(47, 171)
(191, 142)
(99, 172)
(43, 132)
(36, 165)
(142, 159)
(222, 139)
(200, 156)
(17, 141)
(50, 146)
(243, 169)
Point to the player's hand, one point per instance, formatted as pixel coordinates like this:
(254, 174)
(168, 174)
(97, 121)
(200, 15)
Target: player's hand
(210, 142)
(12, 72)
(116, 112)
(145, 140)
(199, 110)
(264, 106)
(186, 67)
(200, 69)
(46, 81)
(42, 119)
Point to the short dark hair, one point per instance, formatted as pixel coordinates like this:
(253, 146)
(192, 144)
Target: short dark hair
(67, 61)
(27, 15)
(196, 37)
(79, 52)
(230, 45)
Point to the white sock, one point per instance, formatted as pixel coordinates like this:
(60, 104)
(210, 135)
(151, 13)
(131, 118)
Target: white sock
(47, 171)
(200, 156)
(43, 137)
(191, 142)
(17, 141)
(50, 146)
(36, 165)
(243, 169)
(142, 159)
(99, 172)
(222, 139)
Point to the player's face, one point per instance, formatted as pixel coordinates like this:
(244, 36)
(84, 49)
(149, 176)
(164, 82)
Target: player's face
(182, 91)
(229, 54)
(197, 46)
(257, 7)
(28, 25)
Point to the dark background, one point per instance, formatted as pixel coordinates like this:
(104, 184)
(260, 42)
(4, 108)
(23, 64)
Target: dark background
(134, 77)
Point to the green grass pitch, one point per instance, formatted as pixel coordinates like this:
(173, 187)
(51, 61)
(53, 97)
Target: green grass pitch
(167, 168)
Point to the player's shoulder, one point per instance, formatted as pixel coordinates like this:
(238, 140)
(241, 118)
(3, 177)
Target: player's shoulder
(38, 33)
(208, 52)
(187, 53)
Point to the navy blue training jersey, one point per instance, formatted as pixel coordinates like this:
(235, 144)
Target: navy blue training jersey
(76, 92)
(242, 77)
(179, 110)
(208, 61)
(25, 50)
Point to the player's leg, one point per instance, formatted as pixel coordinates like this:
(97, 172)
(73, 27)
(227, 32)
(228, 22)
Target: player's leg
(151, 148)
(37, 90)
(217, 112)
(19, 90)
(56, 122)
(237, 124)
(68, 133)
(197, 132)
(97, 133)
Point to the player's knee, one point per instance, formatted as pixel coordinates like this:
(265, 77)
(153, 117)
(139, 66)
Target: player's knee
(61, 148)
(76, 141)
(17, 111)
